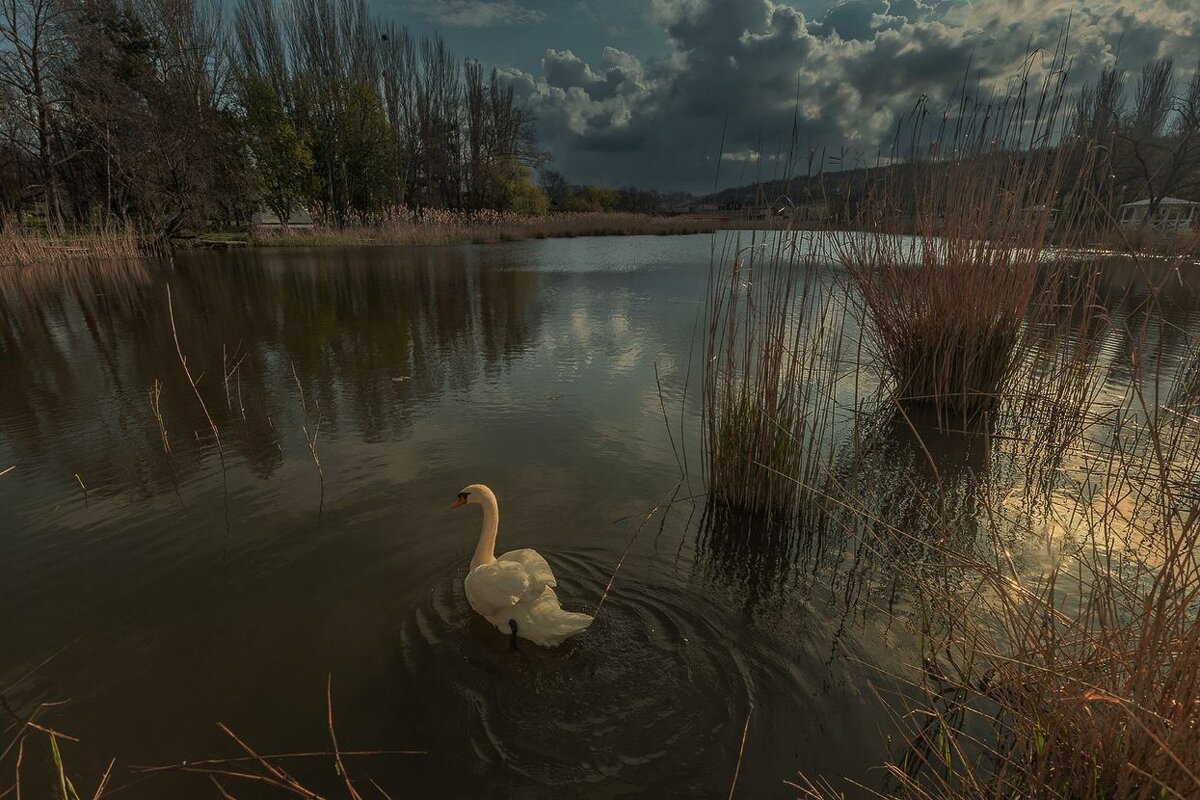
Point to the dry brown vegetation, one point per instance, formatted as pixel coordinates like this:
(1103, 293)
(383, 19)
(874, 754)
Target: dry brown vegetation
(1078, 679)
(19, 247)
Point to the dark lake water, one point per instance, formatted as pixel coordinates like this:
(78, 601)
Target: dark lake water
(225, 584)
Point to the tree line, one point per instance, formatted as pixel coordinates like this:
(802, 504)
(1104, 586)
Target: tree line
(161, 114)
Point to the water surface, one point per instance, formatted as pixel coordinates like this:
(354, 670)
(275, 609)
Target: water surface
(227, 581)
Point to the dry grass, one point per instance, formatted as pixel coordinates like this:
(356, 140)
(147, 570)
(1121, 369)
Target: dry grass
(949, 308)
(22, 736)
(43, 773)
(20, 248)
(1061, 625)
(433, 227)
(1082, 681)
(252, 768)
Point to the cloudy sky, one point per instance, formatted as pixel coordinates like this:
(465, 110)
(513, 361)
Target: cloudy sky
(637, 92)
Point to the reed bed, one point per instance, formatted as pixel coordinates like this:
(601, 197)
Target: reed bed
(22, 248)
(434, 227)
(1061, 651)
(1082, 681)
(1054, 571)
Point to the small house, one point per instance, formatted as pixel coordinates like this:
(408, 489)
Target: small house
(270, 221)
(1172, 214)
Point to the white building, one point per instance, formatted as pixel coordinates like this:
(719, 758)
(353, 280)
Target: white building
(1172, 214)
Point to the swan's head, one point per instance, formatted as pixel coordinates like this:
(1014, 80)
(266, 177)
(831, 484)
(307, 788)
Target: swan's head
(475, 493)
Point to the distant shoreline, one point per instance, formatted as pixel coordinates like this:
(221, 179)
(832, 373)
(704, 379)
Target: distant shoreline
(20, 246)
(24, 247)
(503, 229)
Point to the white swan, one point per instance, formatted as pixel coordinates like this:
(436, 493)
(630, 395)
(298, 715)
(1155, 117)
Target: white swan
(515, 591)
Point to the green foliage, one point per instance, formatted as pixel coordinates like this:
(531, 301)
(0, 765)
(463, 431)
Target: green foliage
(366, 152)
(527, 199)
(592, 198)
(282, 155)
(511, 183)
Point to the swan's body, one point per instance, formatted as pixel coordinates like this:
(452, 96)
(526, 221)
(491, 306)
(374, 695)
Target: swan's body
(514, 592)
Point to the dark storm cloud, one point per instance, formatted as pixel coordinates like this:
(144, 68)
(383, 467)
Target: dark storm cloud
(754, 66)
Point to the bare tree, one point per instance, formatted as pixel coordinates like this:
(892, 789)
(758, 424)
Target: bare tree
(31, 33)
(398, 77)
(1161, 136)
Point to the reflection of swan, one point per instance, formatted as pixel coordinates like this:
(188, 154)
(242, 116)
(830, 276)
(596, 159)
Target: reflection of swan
(515, 591)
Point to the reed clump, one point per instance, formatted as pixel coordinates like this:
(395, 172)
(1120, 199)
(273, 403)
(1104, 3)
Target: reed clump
(948, 306)
(1063, 658)
(403, 226)
(772, 342)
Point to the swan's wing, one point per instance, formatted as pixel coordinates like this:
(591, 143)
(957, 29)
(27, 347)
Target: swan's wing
(497, 586)
(535, 566)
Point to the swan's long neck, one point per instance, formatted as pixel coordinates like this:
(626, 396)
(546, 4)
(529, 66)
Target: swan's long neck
(485, 551)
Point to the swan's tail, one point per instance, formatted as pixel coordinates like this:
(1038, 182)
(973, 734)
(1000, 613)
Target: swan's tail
(559, 625)
(549, 624)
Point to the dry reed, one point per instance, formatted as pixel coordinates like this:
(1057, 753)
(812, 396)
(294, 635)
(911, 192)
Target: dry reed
(24, 729)
(1084, 680)
(1061, 649)
(949, 307)
(1080, 677)
(771, 349)
(155, 395)
(311, 439)
(254, 768)
(20, 248)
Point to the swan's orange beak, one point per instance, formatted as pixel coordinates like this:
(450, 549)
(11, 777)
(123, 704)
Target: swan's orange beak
(458, 501)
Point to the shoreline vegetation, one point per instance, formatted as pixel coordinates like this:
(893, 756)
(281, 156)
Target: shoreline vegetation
(400, 229)
(169, 128)
(443, 227)
(26, 247)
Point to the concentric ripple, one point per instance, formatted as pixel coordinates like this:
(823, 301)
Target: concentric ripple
(655, 693)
